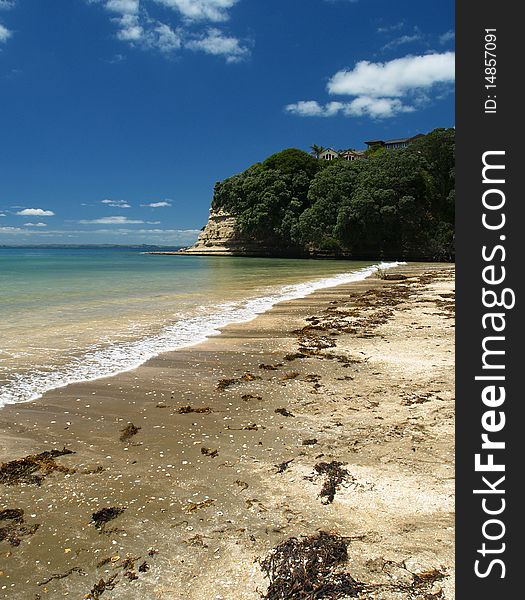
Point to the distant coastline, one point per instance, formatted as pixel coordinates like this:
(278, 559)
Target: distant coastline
(90, 246)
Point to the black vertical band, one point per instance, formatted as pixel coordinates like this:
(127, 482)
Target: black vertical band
(489, 363)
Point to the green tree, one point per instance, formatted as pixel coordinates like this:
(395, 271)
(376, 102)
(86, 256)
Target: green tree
(316, 150)
(391, 203)
(292, 161)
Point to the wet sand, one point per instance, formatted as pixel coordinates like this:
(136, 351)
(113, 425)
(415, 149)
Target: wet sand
(361, 374)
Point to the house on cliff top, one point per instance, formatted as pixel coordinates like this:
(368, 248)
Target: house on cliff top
(393, 144)
(331, 154)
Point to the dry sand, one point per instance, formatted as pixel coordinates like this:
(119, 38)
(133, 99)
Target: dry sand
(365, 373)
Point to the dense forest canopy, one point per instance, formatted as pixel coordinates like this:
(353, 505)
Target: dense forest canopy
(391, 203)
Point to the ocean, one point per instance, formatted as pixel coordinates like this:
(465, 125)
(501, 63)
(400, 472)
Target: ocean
(78, 314)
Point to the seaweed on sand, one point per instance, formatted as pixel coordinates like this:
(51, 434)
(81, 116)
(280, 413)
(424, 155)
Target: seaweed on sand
(306, 569)
(128, 432)
(249, 427)
(334, 477)
(420, 586)
(249, 377)
(312, 344)
(184, 410)
(224, 384)
(131, 575)
(291, 375)
(295, 355)
(33, 469)
(284, 412)
(78, 570)
(14, 528)
(310, 568)
(281, 468)
(209, 452)
(101, 586)
(247, 397)
(12, 514)
(194, 506)
(310, 442)
(143, 567)
(104, 515)
(126, 568)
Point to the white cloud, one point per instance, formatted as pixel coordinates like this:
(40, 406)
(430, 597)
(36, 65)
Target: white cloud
(190, 231)
(12, 230)
(306, 108)
(116, 59)
(163, 38)
(5, 34)
(35, 225)
(379, 89)
(130, 29)
(116, 203)
(161, 204)
(312, 108)
(201, 10)
(6, 4)
(376, 108)
(130, 7)
(127, 18)
(396, 77)
(3, 215)
(448, 36)
(392, 27)
(403, 39)
(148, 33)
(171, 237)
(111, 221)
(124, 231)
(35, 212)
(136, 27)
(215, 42)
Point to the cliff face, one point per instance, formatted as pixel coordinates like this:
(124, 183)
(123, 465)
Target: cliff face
(218, 237)
(221, 238)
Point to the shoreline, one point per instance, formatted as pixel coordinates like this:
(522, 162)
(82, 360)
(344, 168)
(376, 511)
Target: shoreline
(351, 367)
(203, 328)
(223, 251)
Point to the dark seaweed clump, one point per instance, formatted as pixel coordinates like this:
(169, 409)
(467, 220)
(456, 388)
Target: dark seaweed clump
(306, 569)
(185, 410)
(209, 452)
(104, 515)
(334, 477)
(14, 529)
(284, 412)
(33, 469)
(128, 432)
(102, 586)
(281, 468)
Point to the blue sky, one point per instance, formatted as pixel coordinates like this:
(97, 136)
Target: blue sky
(118, 116)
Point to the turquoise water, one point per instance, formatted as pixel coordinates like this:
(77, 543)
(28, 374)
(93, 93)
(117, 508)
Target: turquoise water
(78, 314)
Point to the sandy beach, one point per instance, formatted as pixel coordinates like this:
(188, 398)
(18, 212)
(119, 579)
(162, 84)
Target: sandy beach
(331, 413)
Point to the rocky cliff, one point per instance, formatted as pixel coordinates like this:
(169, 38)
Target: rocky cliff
(220, 237)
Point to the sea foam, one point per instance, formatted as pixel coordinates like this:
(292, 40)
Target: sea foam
(120, 357)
